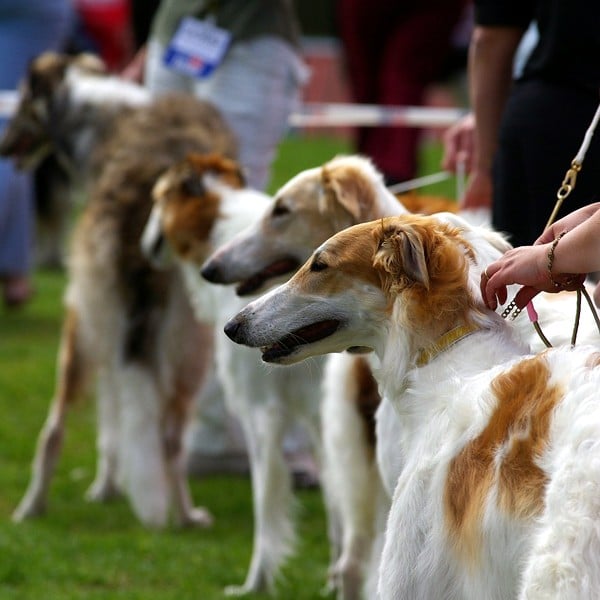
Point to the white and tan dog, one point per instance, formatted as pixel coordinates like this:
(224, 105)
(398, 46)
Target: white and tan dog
(307, 210)
(499, 496)
(199, 204)
(127, 325)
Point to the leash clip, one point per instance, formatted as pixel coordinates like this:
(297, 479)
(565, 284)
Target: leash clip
(569, 181)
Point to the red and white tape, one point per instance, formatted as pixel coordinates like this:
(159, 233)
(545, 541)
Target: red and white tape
(370, 115)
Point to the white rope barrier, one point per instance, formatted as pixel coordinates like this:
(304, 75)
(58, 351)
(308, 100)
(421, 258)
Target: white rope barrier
(332, 115)
(370, 115)
(8, 103)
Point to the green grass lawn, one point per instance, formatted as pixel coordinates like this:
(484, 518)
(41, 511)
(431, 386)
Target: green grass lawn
(88, 551)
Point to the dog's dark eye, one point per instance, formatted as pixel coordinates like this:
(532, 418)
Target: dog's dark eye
(280, 210)
(318, 265)
(193, 186)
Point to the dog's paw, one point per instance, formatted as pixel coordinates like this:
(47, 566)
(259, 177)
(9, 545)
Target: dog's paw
(238, 590)
(197, 517)
(102, 491)
(27, 509)
(255, 582)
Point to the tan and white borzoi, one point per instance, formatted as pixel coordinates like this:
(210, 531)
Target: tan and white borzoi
(304, 212)
(200, 204)
(126, 324)
(499, 496)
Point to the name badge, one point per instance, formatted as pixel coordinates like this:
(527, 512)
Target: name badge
(197, 48)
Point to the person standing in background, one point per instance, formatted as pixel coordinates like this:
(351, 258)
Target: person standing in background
(107, 25)
(256, 83)
(525, 131)
(27, 28)
(393, 50)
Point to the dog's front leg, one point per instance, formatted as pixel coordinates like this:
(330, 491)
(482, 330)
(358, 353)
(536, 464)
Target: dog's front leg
(73, 368)
(264, 427)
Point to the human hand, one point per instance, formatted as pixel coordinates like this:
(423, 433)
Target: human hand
(459, 145)
(528, 267)
(134, 71)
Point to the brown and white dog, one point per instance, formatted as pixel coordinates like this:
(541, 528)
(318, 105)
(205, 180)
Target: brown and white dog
(499, 496)
(127, 324)
(27, 138)
(311, 207)
(199, 204)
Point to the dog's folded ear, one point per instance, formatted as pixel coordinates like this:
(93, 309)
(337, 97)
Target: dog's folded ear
(401, 254)
(346, 192)
(219, 165)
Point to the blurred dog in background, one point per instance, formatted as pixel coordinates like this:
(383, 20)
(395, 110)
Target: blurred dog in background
(127, 324)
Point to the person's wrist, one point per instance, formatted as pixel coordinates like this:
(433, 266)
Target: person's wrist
(558, 281)
(481, 172)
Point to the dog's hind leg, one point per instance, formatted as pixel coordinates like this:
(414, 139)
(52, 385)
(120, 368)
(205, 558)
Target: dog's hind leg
(173, 431)
(264, 426)
(104, 486)
(73, 367)
(350, 473)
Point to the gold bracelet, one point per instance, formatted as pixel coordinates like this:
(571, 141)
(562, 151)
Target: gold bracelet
(557, 239)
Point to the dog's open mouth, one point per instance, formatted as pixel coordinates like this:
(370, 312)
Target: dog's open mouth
(276, 269)
(305, 335)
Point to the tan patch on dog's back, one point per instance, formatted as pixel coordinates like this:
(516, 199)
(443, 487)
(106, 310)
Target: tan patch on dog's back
(367, 397)
(427, 205)
(503, 456)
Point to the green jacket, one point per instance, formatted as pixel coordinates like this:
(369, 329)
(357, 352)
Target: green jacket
(244, 19)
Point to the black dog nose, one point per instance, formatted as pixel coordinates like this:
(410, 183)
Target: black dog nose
(210, 272)
(232, 328)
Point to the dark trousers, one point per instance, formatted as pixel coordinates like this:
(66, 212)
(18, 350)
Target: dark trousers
(394, 49)
(542, 130)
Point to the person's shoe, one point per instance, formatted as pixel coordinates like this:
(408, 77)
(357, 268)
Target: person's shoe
(17, 290)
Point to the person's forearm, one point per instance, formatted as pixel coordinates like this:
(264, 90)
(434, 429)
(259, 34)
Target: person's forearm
(578, 251)
(569, 221)
(491, 55)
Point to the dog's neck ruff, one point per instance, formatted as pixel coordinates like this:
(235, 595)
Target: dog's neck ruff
(426, 355)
